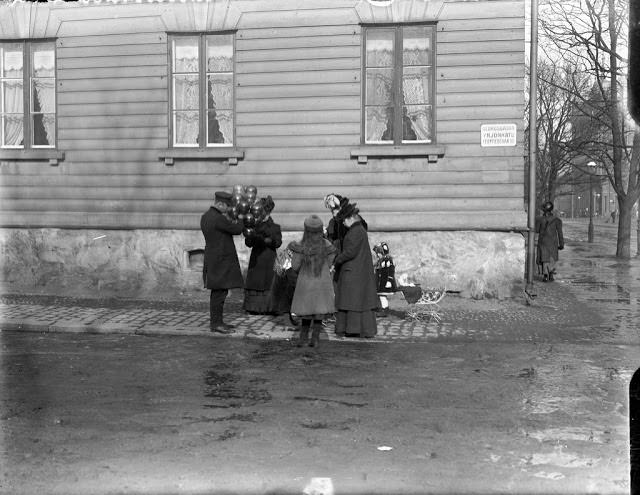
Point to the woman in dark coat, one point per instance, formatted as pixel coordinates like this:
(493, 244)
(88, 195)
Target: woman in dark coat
(264, 242)
(550, 240)
(356, 297)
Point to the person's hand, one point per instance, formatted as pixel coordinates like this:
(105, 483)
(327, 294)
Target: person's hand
(267, 240)
(332, 269)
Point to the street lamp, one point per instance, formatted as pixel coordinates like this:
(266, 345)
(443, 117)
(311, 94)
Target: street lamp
(592, 166)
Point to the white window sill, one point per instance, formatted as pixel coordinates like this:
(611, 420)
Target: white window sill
(33, 154)
(229, 154)
(430, 151)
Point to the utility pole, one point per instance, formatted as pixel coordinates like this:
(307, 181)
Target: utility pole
(533, 145)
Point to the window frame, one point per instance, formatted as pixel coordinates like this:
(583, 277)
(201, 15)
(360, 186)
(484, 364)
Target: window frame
(203, 144)
(397, 97)
(28, 150)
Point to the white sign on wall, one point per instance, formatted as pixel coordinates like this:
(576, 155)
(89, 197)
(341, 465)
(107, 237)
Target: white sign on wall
(497, 135)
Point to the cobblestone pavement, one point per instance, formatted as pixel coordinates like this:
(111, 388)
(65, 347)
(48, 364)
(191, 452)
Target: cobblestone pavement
(567, 304)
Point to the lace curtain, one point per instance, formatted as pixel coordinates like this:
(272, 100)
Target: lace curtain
(13, 116)
(45, 93)
(379, 93)
(12, 88)
(221, 94)
(377, 123)
(415, 89)
(186, 98)
(186, 92)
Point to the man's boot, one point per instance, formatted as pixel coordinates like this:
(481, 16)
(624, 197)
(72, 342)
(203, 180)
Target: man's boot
(315, 336)
(218, 326)
(304, 336)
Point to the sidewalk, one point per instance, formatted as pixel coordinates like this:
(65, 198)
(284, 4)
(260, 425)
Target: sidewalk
(558, 305)
(460, 319)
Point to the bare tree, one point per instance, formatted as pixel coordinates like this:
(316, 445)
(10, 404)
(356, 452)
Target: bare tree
(592, 34)
(556, 104)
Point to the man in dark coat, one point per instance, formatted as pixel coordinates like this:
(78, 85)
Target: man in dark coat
(356, 296)
(550, 240)
(221, 270)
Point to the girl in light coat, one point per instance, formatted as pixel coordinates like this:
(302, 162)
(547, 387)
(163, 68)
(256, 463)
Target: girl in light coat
(313, 299)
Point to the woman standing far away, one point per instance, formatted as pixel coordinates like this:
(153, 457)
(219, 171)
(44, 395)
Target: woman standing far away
(550, 240)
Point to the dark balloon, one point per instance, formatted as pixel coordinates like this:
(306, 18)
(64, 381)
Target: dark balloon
(238, 189)
(249, 220)
(257, 209)
(248, 232)
(252, 190)
(243, 207)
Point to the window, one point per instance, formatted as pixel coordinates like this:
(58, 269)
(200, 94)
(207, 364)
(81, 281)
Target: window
(202, 101)
(399, 81)
(27, 94)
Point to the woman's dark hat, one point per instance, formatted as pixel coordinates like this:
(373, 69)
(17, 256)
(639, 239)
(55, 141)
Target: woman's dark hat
(547, 206)
(223, 197)
(268, 204)
(348, 210)
(313, 224)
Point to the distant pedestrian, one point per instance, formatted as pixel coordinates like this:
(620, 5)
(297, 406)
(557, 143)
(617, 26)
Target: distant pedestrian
(265, 239)
(356, 296)
(613, 216)
(313, 298)
(550, 240)
(221, 270)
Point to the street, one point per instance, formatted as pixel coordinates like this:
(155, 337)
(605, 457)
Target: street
(508, 399)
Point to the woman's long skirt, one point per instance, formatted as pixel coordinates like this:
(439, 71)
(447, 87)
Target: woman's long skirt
(258, 301)
(356, 323)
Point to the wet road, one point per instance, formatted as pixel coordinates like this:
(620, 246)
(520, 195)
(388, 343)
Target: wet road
(543, 412)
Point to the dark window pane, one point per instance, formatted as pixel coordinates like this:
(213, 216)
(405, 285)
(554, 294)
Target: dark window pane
(416, 123)
(220, 127)
(44, 95)
(220, 91)
(44, 129)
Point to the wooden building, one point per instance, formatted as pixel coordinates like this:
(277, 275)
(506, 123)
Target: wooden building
(121, 118)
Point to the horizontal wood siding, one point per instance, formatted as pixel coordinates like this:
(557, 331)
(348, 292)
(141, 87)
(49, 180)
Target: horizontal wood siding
(298, 111)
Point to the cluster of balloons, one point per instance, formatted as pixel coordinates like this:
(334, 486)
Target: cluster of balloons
(247, 208)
